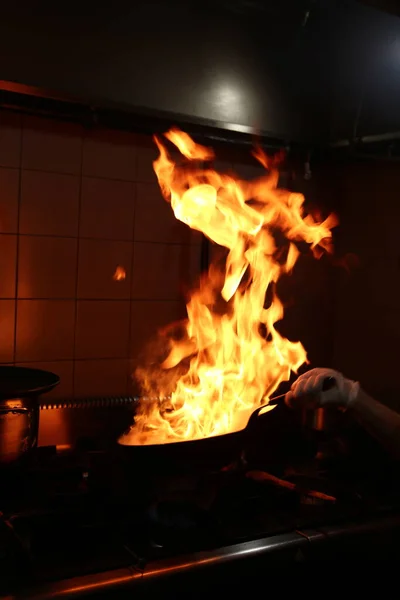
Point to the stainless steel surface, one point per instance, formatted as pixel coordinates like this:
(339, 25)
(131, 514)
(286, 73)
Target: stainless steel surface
(293, 69)
(295, 543)
(110, 581)
(186, 60)
(19, 424)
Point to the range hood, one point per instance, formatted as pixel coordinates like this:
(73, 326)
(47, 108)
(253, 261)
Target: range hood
(293, 70)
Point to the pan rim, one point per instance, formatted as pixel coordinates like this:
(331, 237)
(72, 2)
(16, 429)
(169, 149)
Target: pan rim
(17, 374)
(179, 444)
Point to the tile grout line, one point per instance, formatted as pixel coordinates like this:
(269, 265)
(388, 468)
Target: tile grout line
(68, 173)
(128, 374)
(67, 360)
(77, 265)
(62, 299)
(145, 181)
(100, 239)
(17, 243)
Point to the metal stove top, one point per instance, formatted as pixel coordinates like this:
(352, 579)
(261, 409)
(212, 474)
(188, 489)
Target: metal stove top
(74, 522)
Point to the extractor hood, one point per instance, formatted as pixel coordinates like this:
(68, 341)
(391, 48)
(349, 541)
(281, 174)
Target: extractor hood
(301, 70)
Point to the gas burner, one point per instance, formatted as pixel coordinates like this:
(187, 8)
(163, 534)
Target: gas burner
(180, 524)
(72, 503)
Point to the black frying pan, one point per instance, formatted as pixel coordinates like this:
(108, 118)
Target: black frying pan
(211, 453)
(17, 382)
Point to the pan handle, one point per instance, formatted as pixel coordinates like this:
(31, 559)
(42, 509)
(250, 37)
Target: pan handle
(254, 417)
(328, 383)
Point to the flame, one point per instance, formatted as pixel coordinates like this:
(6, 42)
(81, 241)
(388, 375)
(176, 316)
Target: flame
(119, 274)
(230, 358)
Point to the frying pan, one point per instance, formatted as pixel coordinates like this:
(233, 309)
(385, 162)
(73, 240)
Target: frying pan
(20, 389)
(205, 454)
(16, 382)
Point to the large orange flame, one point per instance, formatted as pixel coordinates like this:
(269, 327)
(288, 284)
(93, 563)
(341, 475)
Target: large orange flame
(236, 357)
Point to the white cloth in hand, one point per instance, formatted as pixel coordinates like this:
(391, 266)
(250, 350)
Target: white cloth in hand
(307, 390)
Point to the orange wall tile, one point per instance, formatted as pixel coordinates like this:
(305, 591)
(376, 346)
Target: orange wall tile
(45, 330)
(9, 186)
(53, 146)
(8, 265)
(10, 139)
(107, 209)
(101, 378)
(49, 203)
(47, 267)
(110, 154)
(102, 329)
(98, 261)
(7, 328)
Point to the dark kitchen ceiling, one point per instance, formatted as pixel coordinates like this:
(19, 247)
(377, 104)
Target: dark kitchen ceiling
(294, 69)
(390, 6)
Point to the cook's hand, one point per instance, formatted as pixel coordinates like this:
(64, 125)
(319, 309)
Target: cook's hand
(307, 390)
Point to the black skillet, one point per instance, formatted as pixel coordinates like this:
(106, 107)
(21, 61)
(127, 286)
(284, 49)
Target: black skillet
(205, 454)
(20, 382)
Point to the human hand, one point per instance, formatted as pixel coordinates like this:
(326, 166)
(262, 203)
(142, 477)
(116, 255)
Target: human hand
(308, 390)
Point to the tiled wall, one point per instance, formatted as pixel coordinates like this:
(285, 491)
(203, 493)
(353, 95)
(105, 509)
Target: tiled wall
(367, 329)
(74, 205)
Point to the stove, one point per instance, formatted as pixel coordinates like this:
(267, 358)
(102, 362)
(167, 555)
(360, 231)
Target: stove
(75, 523)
